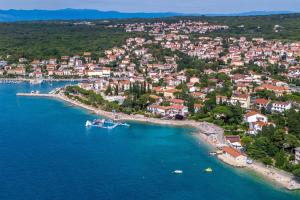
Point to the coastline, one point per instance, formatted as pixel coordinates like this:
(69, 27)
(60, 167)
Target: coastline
(204, 132)
(19, 80)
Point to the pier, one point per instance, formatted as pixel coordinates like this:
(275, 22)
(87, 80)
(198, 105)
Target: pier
(36, 95)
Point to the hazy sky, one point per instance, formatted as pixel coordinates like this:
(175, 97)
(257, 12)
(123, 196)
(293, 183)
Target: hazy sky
(185, 6)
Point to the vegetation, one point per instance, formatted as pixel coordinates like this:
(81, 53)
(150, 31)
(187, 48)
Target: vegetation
(40, 40)
(138, 98)
(56, 38)
(274, 145)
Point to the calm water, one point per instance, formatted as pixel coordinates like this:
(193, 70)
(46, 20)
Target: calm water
(47, 153)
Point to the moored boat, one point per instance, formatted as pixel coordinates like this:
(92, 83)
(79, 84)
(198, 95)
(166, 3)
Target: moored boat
(178, 171)
(208, 169)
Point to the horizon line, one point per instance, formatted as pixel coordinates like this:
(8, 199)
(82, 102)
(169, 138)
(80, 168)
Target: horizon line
(154, 12)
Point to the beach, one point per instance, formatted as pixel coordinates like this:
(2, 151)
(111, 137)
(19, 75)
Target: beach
(207, 132)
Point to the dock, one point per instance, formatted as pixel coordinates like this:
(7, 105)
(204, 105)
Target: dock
(35, 95)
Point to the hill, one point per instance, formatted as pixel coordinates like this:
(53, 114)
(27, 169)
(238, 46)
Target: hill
(85, 14)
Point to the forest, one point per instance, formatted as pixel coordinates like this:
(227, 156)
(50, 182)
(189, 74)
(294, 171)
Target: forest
(44, 39)
(41, 40)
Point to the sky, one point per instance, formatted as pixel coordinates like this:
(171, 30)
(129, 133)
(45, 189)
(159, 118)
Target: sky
(182, 6)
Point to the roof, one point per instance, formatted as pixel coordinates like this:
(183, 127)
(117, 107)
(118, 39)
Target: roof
(155, 97)
(272, 87)
(240, 96)
(198, 105)
(282, 103)
(233, 152)
(177, 107)
(233, 138)
(262, 101)
(178, 101)
(260, 123)
(252, 112)
(160, 107)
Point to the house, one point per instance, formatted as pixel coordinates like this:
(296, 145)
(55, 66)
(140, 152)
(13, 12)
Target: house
(281, 106)
(156, 98)
(198, 95)
(234, 141)
(255, 127)
(234, 156)
(242, 99)
(176, 109)
(197, 107)
(17, 71)
(254, 116)
(170, 93)
(297, 155)
(159, 110)
(194, 80)
(262, 103)
(176, 101)
(278, 90)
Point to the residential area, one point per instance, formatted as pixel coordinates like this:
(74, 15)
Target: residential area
(248, 86)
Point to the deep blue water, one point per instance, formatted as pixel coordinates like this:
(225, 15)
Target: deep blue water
(47, 153)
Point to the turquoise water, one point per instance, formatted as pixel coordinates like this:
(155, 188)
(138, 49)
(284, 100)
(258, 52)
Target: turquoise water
(47, 153)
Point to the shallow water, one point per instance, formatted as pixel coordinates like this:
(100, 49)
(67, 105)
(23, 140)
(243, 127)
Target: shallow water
(46, 152)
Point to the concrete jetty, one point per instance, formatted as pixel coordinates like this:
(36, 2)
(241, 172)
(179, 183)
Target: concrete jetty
(35, 95)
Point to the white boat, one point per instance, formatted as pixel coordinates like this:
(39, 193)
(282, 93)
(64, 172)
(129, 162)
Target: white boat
(178, 171)
(36, 81)
(249, 161)
(208, 169)
(34, 92)
(88, 123)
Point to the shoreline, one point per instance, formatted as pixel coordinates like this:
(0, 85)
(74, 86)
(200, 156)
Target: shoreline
(204, 131)
(20, 80)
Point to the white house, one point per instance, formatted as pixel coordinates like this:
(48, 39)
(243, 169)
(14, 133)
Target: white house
(242, 99)
(254, 116)
(281, 106)
(234, 156)
(159, 110)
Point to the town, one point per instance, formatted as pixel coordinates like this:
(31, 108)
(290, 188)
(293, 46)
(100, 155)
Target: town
(248, 86)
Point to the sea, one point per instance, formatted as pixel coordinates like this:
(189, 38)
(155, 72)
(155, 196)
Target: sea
(46, 152)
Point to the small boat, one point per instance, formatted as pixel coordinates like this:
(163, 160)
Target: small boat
(208, 169)
(125, 124)
(212, 153)
(34, 92)
(88, 123)
(178, 171)
(249, 161)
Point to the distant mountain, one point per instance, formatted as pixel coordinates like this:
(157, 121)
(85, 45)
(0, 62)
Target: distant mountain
(84, 14)
(73, 14)
(254, 13)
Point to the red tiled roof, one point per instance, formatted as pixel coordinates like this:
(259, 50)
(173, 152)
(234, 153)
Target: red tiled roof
(231, 151)
(233, 138)
(251, 113)
(179, 101)
(262, 101)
